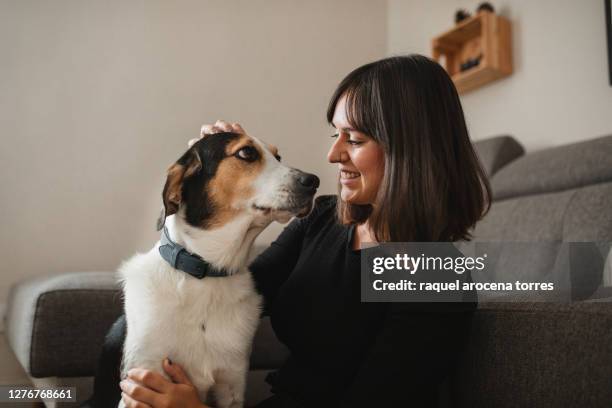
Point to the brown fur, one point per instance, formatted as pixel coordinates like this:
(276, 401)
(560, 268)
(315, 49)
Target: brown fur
(233, 182)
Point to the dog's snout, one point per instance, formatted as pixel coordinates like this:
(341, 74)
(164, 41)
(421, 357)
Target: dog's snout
(308, 180)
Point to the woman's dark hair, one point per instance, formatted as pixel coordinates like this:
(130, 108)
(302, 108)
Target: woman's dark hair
(434, 187)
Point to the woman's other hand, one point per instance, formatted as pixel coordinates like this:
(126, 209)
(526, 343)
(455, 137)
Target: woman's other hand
(148, 389)
(219, 126)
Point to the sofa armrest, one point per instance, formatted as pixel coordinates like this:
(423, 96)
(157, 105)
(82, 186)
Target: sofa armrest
(56, 324)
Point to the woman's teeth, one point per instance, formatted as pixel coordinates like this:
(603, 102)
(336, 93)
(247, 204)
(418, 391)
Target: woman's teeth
(349, 174)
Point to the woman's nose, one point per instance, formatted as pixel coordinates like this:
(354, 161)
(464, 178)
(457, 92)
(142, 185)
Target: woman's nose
(336, 154)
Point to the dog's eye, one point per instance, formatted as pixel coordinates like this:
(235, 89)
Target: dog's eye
(278, 157)
(247, 153)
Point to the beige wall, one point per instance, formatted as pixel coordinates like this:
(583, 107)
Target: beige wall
(99, 97)
(559, 91)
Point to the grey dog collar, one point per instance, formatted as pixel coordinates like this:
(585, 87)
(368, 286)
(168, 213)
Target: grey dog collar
(179, 258)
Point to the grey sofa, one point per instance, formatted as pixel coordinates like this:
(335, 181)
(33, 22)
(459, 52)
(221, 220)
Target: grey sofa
(519, 355)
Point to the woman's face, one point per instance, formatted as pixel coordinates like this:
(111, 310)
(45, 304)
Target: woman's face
(360, 160)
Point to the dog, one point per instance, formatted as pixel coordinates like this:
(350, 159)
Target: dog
(191, 297)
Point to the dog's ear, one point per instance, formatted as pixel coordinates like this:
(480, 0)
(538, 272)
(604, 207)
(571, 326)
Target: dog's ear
(187, 166)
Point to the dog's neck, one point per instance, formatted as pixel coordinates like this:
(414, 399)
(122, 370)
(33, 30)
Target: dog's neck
(226, 247)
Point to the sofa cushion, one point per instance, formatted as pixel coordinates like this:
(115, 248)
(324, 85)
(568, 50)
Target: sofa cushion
(556, 169)
(537, 355)
(495, 152)
(562, 194)
(576, 215)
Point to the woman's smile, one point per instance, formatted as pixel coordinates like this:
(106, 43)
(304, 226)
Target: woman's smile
(347, 177)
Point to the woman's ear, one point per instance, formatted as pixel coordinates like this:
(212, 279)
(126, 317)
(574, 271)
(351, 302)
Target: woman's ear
(187, 166)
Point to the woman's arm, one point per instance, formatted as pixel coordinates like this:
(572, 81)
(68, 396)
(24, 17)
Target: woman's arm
(274, 265)
(415, 350)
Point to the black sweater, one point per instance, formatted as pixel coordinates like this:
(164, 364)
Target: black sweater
(345, 352)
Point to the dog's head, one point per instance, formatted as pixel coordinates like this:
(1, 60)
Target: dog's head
(226, 174)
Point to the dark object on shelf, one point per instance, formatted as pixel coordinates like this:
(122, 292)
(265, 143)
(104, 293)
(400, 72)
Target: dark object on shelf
(486, 6)
(472, 62)
(461, 15)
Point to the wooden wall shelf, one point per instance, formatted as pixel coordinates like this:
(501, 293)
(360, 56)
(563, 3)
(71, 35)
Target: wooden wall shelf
(485, 38)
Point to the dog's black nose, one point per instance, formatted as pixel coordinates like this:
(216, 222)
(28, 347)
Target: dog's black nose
(308, 180)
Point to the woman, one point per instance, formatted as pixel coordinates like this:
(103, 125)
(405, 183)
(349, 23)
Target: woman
(407, 172)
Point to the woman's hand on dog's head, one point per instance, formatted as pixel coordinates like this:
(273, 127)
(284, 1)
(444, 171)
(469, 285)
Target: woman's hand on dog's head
(149, 389)
(218, 127)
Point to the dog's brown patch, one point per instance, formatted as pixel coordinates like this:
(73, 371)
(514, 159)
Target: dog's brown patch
(233, 182)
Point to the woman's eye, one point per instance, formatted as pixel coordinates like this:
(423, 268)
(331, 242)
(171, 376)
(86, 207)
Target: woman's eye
(348, 138)
(247, 153)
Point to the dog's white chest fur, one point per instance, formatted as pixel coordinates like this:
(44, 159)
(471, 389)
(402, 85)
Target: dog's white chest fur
(205, 325)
